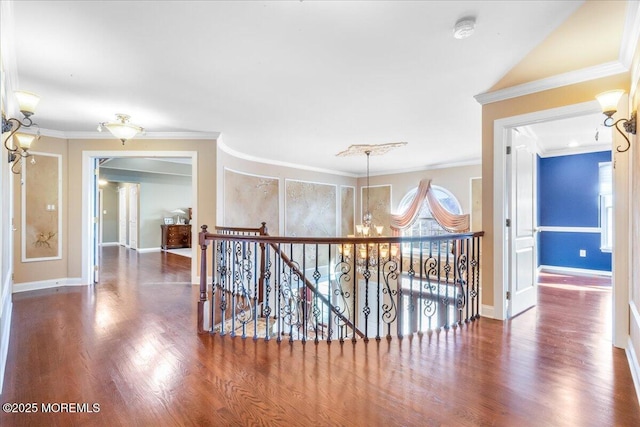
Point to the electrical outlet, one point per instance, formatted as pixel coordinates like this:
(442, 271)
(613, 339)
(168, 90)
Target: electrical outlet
(583, 253)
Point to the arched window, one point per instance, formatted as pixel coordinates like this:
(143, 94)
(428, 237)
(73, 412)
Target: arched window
(424, 224)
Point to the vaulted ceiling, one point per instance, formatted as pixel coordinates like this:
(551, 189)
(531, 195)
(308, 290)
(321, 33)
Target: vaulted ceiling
(292, 81)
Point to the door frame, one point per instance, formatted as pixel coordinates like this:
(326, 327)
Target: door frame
(620, 288)
(88, 235)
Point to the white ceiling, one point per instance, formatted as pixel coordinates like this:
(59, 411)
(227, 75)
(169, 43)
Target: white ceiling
(574, 135)
(289, 81)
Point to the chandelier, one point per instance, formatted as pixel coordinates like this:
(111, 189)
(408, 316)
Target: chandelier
(121, 128)
(369, 255)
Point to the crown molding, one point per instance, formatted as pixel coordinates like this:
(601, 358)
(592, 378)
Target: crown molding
(232, 152)
(574, 150)
(106, 135)
(469, 162)
(630, 34)
(572, 77)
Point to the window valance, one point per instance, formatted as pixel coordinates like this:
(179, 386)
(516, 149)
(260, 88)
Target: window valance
(453, 223)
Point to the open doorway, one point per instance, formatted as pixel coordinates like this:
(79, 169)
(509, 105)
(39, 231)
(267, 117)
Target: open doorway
(157, 178)
(574, 200)
(503, 129)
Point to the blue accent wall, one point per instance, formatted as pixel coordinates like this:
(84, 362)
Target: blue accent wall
(568, 196)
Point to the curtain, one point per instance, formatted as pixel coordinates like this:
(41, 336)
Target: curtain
(452, 223)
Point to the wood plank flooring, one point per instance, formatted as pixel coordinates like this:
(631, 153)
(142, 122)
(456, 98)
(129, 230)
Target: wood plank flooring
(129, 345)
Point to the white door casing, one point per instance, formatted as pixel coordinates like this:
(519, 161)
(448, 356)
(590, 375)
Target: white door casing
(122, 216)
(88, 234)
(133, 216)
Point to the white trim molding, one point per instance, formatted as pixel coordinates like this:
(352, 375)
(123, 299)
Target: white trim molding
(47, 284)
(570, 229)
(574, 150)
(573, 270)
(487, 311)
(6, 309)
(553, 82)
(232, 152)
(148, 250)
(107, 135)
(632, 357)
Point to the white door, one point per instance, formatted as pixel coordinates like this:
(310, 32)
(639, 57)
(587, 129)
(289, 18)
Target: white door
(523, 292)
(122, 216)
(96, 220)
(133, 216)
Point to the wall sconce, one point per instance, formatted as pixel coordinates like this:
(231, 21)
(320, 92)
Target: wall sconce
(609, 103)
(27, 102)
(121, 128)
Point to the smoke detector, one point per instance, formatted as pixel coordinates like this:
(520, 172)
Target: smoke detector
(464, 27)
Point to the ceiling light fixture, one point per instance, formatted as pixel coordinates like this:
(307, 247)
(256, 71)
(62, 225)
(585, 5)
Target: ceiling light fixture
(121, 128)
(20, 142)
(369, 255)
(464, 27)
(609, 103)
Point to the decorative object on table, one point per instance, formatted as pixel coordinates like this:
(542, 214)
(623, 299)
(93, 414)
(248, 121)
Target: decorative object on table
(168, 220)
(179, 213)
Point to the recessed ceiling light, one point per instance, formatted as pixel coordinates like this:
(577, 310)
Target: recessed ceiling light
(464, 27)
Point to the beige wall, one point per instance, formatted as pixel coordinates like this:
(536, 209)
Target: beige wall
(230, 162)
(564, 49)
(564, 96)
(456, 179)
(49, 269)
(70, 266)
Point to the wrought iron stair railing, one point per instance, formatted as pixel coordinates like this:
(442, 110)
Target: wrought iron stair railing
(316, 289)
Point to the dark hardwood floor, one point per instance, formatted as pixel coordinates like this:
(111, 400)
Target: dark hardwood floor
(129, 345)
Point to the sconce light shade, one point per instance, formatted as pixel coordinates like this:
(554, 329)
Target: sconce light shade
(609, 101)
(20, 142)
(24, 140)
(27, 102)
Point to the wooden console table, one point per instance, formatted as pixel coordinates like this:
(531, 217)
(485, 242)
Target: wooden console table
(176, 236)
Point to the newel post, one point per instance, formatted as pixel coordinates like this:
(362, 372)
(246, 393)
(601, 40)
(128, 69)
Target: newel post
(203, 242)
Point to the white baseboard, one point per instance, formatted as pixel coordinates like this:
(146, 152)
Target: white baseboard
(47, 284)
(6, 305)
(571, 270)
(209, 281)
(109, 244)
(487, 311)
(634, 366)
(147, 250)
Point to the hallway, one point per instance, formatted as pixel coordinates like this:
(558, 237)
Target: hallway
(129, 345)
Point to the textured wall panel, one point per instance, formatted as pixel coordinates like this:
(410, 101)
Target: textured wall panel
(250, 200)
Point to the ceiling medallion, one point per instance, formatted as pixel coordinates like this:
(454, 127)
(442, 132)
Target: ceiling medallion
(370, 149)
